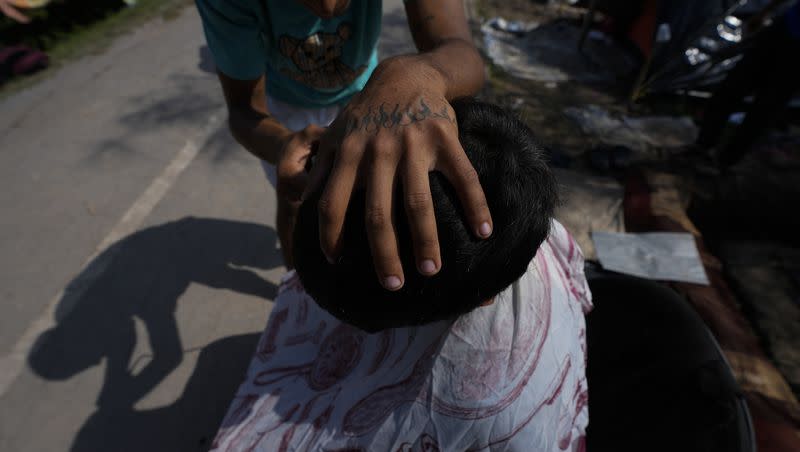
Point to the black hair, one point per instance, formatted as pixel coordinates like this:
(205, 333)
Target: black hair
(521, 194)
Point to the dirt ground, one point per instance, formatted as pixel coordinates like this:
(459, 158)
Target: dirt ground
(747, 217)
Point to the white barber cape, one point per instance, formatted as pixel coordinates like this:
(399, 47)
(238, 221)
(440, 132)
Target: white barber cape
(506, 377)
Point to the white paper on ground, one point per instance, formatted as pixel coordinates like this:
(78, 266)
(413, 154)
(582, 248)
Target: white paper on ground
(669, 256)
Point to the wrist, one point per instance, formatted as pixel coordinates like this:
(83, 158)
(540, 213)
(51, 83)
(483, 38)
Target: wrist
(459, 65)
(280, 143)
(262, 136)
(418, 69)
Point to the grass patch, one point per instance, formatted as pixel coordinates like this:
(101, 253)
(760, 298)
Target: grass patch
(72, 29)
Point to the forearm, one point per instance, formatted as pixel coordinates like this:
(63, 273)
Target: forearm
(259, 133)
(443, 38)
(459, 64)
(249, 119)
(453, 67)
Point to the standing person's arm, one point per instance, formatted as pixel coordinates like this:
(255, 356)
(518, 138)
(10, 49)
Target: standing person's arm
(233, 33)
(249, 120)
(442, 36)
(263, 136)
(397, 130)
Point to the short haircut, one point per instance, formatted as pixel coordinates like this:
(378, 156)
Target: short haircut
(521, 194)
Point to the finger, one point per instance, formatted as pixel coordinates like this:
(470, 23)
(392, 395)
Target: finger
(320, 170)
(312, 135)
(459, 171)
(335, 198)
(380, 224)
(421, 218)
(12, 13)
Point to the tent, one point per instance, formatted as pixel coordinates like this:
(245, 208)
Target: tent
(685, 45)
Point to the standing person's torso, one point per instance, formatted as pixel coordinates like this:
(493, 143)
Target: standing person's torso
(509, 376)
(309, 62)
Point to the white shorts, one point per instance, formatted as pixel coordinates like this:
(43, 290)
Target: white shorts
(296, 118)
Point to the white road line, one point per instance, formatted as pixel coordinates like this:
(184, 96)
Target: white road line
(12, 364)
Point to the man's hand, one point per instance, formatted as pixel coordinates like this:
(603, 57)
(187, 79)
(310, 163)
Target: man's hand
(7, 8)
(398, 129)
(292, 174)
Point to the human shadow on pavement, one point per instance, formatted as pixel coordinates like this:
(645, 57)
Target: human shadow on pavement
(143, 276)
(188, 424)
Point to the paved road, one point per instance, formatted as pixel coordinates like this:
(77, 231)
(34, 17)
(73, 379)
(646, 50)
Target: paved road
(138, 258)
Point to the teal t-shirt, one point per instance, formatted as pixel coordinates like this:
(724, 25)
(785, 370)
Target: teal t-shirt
(308, 61)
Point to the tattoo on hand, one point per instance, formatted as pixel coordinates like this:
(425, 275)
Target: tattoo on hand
(382, 117)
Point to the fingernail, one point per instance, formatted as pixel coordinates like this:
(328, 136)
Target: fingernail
(485, 230)
(427, 267)
(392, 282)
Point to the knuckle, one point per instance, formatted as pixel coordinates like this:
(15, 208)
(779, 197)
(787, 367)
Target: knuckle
(383, 149)
(350, 144)
(349, 150)
(427, 243)
(441, 127)
(386, 265)
(480, 209)
(376, 218)
(470, 176)
(416, 160)
(383, 259)
(477, 209)
(418, 203)
(291, 144)
(411, 134)
(383, 154)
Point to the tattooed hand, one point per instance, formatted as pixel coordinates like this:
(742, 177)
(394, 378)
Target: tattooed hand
(382, 117)
(397, 130)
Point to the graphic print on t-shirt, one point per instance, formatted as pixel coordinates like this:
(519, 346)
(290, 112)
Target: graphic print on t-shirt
(318, 59)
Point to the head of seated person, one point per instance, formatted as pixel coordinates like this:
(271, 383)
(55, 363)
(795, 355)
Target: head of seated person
(521, 194)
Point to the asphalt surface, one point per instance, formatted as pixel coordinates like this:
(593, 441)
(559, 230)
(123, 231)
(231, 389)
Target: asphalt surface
(139, 260)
